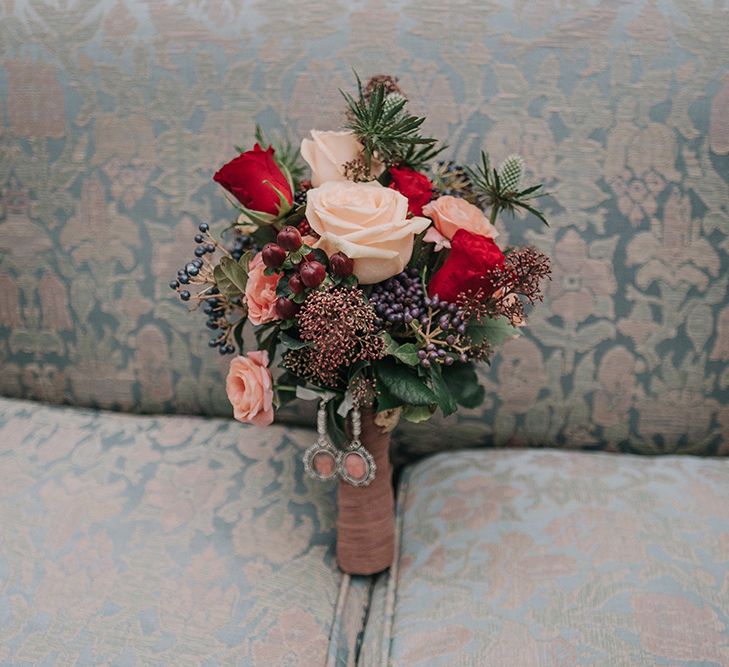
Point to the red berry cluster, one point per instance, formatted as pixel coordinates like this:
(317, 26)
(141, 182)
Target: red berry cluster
(304, 271)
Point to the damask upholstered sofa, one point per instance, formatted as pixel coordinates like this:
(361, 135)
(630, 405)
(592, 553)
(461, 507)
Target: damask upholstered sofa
(173, 535)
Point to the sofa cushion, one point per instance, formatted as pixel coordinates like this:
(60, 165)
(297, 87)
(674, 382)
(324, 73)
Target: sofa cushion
(558, 558)
(621, 108)
(145, 540)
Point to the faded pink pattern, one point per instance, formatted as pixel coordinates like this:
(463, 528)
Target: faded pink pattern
(446, 641)
(616, 384)
(166, 539)
(666, 626)
(578, 279)
(183, 492)
(521, 374)
(589, 559)
(35, 99)
(295, 640)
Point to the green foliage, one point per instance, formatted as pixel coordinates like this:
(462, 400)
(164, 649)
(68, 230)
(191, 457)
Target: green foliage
(402, 383)
(231, 277)
(285, 153)
(495, 193)
(495, 331)
(417, 413)
(446, 399)
(406, 353)
(293, 343)
(462, 381)
(387, 131)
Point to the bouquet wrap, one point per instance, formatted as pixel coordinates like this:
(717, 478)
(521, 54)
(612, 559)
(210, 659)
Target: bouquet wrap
(366, 517)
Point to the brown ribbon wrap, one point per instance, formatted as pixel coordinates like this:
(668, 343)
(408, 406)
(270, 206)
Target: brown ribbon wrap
(366, 515)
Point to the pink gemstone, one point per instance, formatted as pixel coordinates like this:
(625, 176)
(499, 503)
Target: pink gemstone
(324, 464)
(355, 465)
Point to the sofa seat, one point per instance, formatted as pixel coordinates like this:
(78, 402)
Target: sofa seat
(166, 540)
(543, 557)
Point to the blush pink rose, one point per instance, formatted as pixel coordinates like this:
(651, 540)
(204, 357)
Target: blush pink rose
(250, 388)
(261, 292)
(449, 214)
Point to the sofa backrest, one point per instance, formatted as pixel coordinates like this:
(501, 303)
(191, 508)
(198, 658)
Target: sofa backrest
(115, 115)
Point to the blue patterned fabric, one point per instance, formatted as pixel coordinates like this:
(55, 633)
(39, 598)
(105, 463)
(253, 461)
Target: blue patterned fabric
(117, 112)
(178, 541)
(547, 558)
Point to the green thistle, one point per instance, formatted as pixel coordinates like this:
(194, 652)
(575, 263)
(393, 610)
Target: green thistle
(494, 192)
(510, 173)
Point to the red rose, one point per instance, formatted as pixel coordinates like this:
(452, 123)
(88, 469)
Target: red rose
(413, 185)
(251, 179)
(471, 258)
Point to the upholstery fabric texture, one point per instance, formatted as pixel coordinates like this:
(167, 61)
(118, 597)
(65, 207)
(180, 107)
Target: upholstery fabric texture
(548, 558)
(117, 112)
(174, 540)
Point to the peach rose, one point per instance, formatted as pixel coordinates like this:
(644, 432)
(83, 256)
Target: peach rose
(449, 214)
(261, 292)
(366, 222)
(250, 388)
(327, 152)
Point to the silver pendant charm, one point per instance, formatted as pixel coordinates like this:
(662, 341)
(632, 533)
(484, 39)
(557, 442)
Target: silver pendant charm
(321, 460)
(356, 465)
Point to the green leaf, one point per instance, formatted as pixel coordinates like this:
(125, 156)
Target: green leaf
(224, 284)
(404, 383)
(385, 399)
(293, 343)
(495, 331)
(407, 353)
(446, 400)
(462, 380)
(235, 273)
(417, 413)
(238, 333)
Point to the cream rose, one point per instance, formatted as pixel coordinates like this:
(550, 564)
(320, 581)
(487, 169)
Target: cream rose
(449, 214)
(366, 222)
(327, 153)
(250, 388)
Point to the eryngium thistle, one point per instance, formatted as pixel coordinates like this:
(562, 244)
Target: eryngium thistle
(510, 173)
(340, 324)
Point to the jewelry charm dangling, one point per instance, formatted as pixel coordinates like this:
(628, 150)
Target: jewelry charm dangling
(320, 460)
(356, 465)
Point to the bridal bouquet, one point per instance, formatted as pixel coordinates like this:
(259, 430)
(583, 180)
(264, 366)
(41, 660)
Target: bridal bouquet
(375, 285)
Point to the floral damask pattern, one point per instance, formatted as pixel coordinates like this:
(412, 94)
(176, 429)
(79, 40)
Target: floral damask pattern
(119, 111)
(180, 541)
(557, 558)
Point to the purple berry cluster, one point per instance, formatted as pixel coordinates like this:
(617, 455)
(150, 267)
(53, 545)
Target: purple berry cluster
(440, 327)
(191, 270)
(216, 309)
(198, 272)
(242, 243)
(399, 300)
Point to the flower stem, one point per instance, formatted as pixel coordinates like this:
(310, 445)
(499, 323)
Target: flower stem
(494, 213)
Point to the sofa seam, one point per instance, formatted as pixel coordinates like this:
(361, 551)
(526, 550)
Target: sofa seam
(386, 646)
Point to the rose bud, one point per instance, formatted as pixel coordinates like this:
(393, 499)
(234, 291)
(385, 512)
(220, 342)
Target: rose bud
(286, 309)
(312, 273)
(295, 284)
(273, 255)
(255, 180)
(342, 265)
(289, 238)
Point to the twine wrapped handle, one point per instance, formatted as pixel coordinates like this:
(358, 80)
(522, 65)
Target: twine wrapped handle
(366, 515)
